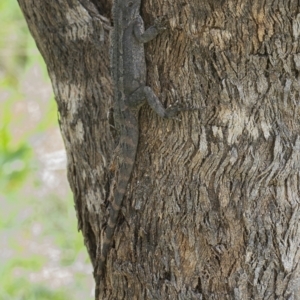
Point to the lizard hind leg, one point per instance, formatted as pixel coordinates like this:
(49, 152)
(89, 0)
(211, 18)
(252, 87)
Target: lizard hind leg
(138, 97)
(143, 93)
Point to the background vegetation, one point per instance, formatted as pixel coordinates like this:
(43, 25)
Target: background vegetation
(41, 254)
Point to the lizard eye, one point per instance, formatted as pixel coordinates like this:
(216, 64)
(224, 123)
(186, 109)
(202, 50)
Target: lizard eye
(130, 4)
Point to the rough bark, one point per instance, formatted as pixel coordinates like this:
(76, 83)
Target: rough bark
(212, 210)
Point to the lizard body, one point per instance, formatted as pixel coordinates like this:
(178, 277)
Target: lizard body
(130, 93)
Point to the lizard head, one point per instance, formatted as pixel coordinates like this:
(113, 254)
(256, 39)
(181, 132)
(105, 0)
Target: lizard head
(131, 9)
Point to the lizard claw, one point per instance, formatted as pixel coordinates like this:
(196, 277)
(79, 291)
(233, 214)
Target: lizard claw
(161, 23)
(173, 109)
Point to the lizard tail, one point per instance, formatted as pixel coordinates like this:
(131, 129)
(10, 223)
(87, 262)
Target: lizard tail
(128, 147)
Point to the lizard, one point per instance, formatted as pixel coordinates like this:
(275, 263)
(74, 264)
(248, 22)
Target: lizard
(128, 68)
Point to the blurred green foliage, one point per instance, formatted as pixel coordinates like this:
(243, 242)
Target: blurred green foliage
(42, 256)
(14, 159)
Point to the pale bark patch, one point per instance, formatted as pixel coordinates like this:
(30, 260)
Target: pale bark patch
(71, 94)
(78, 19)
(296, 27)
(79, 131)
(92, 201)
(221, 38)
(217, 132)
(297, 61)
(203, 143)
(266, 129)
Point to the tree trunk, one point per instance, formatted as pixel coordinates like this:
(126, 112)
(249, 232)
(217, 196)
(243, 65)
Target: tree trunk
(212, 208)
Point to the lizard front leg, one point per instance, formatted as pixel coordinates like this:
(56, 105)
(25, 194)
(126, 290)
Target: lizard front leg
(145, 36)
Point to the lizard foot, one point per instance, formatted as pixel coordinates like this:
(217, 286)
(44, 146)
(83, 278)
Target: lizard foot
(173, 110)
(161, 23)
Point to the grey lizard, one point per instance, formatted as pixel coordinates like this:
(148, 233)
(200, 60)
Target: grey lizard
(130, 93)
